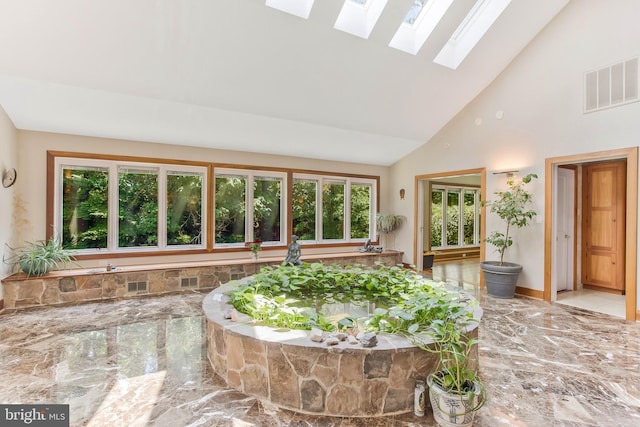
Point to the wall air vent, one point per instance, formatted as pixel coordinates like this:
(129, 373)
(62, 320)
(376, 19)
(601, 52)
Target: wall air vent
(611, 86)
(189, 282)
(137, 287)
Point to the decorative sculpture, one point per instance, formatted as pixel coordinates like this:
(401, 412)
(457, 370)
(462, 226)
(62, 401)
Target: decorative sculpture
(293, 252)
(369, 248)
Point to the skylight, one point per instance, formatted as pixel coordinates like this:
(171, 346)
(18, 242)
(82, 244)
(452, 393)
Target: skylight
(418, 24)
(474, 26)
(301, 8)
(358, 17)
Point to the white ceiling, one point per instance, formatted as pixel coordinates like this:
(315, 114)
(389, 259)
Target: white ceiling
(236, 74)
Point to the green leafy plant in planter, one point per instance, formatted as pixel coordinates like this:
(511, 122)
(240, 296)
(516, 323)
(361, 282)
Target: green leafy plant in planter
(439, 321)
(433, 317)
(511, 206)
(456, 391)
(40, 257)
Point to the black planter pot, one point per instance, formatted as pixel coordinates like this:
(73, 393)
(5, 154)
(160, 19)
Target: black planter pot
(501, 280)
(427, 261)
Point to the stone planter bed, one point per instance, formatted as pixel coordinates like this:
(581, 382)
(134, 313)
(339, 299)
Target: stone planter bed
(288, 369)
(84, 285)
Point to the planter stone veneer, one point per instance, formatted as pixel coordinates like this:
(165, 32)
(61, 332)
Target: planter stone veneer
(83, 285)
(291, 371)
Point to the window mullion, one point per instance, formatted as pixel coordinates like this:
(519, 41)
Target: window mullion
(162, 207)
(347, 210)
(248, 217)
(113, 213)
(319, 210)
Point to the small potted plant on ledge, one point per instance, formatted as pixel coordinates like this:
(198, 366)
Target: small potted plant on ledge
(256, 247)
(40, 257)
(511, 206)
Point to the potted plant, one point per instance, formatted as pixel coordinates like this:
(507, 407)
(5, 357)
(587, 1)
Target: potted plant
(512, 207)
(40, 257)
(388, 223)
(456, 391)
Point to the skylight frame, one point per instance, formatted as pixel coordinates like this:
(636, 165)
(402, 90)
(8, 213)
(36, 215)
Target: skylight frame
(410, 37)
(301, 8)
(359, 18)
(473, 27)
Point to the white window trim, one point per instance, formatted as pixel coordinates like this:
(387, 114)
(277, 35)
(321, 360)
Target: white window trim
(250, 175)
(476, 231)
(114, 166)
(348, 182)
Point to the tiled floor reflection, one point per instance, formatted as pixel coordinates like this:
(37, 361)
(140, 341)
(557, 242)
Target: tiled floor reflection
(142, 363)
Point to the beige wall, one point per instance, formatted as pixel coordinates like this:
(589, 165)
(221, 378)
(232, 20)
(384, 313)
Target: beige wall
(8, 159)
(33, 148)
(540, 95)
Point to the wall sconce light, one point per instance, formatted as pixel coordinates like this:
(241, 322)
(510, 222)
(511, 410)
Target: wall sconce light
(509, 174)
(402, 194)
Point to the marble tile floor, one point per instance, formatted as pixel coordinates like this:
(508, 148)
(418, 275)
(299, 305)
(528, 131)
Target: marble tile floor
(467, 272)
(590, 299)
(142, 363)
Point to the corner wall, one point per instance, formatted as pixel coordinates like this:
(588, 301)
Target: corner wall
(8, 159)
(540, 95)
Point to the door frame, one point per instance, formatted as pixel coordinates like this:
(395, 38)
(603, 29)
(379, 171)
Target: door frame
(573, 169)
(631, 220)
(418, 211)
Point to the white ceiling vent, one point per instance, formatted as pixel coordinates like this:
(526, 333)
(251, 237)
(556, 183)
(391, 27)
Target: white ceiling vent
(611, 86)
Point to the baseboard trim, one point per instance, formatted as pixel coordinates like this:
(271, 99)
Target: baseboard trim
(533, 293)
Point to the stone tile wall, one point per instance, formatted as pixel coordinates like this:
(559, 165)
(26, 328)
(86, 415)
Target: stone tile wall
(77, 286)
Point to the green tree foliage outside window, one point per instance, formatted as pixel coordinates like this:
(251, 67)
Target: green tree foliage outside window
(230, 209)
(266, 209)
(304, 209)
(184, 209)
(453, 216)
(333, 210)
(85, 208)
(138, 209)
(360, 211)
(436, 219)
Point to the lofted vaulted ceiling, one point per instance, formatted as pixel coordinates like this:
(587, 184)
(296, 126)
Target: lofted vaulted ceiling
(236, 74)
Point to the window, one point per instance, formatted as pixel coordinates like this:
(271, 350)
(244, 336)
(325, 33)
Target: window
(128, 205)
(333, 208)
(456, 223)
(137, 207)
(85, 207)
(361, 210)
(112, 206)
(263, 192)
(304, 208)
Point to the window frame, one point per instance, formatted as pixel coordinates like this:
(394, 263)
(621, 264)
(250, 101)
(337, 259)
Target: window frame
(348, 181)
(207, 245)
(114, 166)
(461, 190)
(250, 175)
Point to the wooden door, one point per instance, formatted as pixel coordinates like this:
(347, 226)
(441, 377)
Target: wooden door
(603, 225)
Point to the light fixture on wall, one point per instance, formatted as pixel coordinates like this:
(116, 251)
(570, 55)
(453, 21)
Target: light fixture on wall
(509, 174)
(402, 194)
